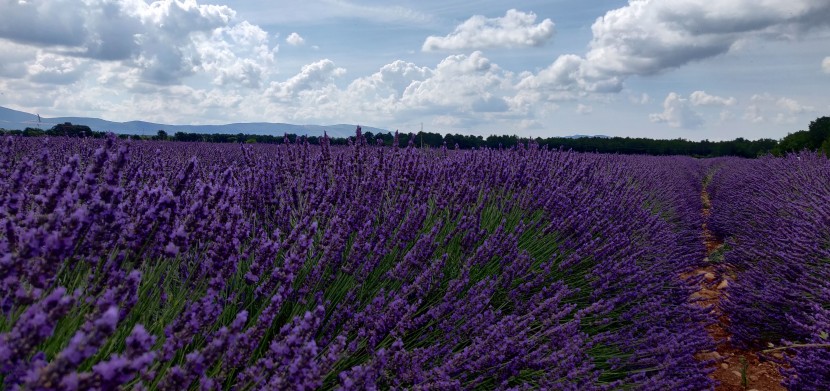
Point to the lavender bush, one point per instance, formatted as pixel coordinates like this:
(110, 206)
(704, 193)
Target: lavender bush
(180, 265)
(775, 213)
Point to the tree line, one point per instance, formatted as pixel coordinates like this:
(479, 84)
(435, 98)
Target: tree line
(817, 137)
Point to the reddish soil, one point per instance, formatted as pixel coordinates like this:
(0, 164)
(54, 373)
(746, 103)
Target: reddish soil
(735, 369)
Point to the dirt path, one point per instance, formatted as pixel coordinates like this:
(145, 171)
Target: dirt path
(736, 369)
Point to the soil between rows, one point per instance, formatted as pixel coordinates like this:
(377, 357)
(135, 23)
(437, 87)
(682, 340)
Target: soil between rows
(735, 369)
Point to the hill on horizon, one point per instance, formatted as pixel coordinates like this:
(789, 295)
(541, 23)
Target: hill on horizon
(14, 119)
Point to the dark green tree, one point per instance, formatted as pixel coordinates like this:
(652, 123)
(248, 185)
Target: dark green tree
(819, 132)
(69, 130)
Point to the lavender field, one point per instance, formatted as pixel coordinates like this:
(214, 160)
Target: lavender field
(173, 265)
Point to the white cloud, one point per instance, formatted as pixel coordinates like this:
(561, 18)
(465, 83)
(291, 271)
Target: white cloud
(678, 113)
(316, 76)
(167, 40)
(186, 62)
(526, 124)
(295, 39)
(701, 98)
(390, 82)
(109, 30)
(568, 77)
(469, 83)
(767, 107)
(514, 29)
(169, 44)
(753, 112)
(237, 55)
(793, 106)
(583, 109)
(461, 91)
(647, 37)
(51, 68)
(446, 121)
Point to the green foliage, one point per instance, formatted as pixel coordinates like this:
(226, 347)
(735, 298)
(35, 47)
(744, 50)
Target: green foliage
(157, 313)
(161, 135)
(793, 142)
(34, 132)
(819, 132)
(717, 255)
(66, 129)
(744, 366)
(817, 137)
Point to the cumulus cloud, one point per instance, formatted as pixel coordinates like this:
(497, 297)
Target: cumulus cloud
(460, 91)
(647, 37)
(237, 55)
(780, 109)
(701, 98)
(466, 82)
(166, 40)
(314, 76)
(56, 69)
(107, 30)
(391, 80)
(169, 45)
(295, 39)
(147, 56)
(514, 29)
(568, 77)
(793, 106)
(677, 112)
(446, 121)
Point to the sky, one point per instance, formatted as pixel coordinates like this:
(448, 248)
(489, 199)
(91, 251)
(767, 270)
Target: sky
(693, 69)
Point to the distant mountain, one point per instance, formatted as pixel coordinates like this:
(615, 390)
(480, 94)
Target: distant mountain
(13, 119)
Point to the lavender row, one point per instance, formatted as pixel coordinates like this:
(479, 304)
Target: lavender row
(172, 265)
(775, 213)
(674, 185)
